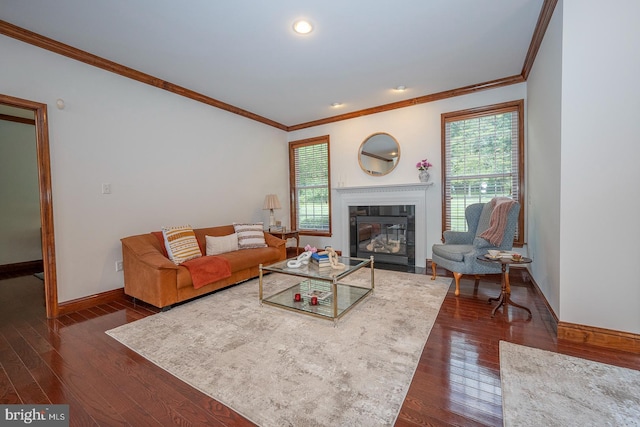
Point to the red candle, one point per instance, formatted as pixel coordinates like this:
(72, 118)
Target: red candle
(314, 300)
(297, 297)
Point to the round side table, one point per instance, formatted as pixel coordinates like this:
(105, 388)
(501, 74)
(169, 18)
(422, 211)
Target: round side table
(504, 298)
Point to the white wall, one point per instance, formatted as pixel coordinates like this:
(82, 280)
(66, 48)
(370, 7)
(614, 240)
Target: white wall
(169, 160)
(19, 194)
(417, 130)
(544, 87)
(599, 233)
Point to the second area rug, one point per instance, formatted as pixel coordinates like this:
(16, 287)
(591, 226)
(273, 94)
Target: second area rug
(542, 388)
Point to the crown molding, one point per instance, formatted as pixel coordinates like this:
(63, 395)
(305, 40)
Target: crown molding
(466, 90)
(538, 35)
(43, 42)
(46, 43)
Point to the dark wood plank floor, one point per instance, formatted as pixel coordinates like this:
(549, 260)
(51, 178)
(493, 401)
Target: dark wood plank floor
(71, 360)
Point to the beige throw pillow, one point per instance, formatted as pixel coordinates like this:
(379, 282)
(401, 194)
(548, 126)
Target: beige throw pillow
(222, 244)
(250, 235)
(181, 243)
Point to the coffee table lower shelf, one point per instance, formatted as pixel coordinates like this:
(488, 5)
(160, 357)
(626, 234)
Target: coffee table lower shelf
(348, 297)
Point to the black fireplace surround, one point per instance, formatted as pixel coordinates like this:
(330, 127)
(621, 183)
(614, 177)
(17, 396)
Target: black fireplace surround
(386, 232)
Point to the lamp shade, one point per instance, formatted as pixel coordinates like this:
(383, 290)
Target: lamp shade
(271, 202)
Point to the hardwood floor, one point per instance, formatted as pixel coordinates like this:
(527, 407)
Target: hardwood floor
(71, 360)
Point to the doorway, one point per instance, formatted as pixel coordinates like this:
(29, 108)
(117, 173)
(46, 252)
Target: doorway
(46, 201)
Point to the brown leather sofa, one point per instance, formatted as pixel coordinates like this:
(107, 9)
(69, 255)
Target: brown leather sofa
(150, 276)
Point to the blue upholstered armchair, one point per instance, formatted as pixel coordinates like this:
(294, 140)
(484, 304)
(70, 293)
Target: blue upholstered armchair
(460, 250)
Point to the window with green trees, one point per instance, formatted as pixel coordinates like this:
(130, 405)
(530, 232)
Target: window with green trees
(310, 186)
(483, 158)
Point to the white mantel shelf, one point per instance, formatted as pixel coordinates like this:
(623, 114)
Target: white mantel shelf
(384, 188)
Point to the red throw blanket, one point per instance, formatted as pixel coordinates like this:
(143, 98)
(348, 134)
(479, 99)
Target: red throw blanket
(498, 222)
(207, 269)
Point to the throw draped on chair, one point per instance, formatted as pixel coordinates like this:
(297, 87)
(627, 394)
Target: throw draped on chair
(460, 249)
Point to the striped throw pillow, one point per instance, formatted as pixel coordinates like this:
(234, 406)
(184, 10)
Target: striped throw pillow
(181, 243)
(250, 235)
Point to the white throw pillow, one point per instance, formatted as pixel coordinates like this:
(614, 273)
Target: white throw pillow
(250, 235)
(181, 243)
(222, 244)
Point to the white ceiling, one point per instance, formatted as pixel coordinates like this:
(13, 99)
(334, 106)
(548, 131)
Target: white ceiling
(244, 52)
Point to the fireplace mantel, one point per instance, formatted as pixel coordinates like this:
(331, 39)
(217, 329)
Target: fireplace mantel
(420, 186)
(395, 194)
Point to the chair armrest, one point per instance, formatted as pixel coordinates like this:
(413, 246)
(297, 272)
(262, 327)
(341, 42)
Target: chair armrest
(457, 237)
(274, 241)
(157, 261)
(149, 275)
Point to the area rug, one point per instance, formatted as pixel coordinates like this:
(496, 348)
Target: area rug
(281, 368)
(542, 388)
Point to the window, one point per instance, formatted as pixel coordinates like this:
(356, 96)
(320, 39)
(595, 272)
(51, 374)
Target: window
(483, 158)
(310, 186)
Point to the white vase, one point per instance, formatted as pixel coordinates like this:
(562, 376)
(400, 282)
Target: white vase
(424, 176)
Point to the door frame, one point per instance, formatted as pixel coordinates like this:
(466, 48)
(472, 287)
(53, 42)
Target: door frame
(46, 199)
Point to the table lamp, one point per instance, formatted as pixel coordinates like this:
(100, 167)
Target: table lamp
(271, 202)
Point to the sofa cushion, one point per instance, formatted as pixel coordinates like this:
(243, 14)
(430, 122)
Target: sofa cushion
(219, 245)
(181, 243)
(251, 258)
(250, 235)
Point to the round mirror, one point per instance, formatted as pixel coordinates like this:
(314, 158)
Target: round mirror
(379, 154)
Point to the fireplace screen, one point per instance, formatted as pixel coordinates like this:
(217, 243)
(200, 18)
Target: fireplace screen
(389, 238)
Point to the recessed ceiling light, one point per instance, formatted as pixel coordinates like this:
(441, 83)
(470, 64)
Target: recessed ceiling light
(336, 104)
(302, 27)
(400, 88)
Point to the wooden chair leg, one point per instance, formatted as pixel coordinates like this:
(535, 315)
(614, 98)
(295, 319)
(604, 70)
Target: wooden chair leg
(433, 270)
(457, 277)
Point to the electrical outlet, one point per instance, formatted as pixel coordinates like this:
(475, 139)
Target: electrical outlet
(119, 266)
(106, 188)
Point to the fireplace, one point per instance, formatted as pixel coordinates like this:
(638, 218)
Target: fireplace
(386, 232)
(385, 196)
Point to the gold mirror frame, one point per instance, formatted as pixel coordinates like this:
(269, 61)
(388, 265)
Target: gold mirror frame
(379, 154)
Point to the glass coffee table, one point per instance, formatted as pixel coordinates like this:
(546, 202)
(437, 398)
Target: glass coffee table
(334, 298)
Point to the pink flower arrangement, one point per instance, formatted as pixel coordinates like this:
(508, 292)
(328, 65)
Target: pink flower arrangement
(423, 165)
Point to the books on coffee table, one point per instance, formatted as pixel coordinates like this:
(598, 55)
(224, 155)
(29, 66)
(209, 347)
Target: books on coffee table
(316, 257)
(321, 261)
